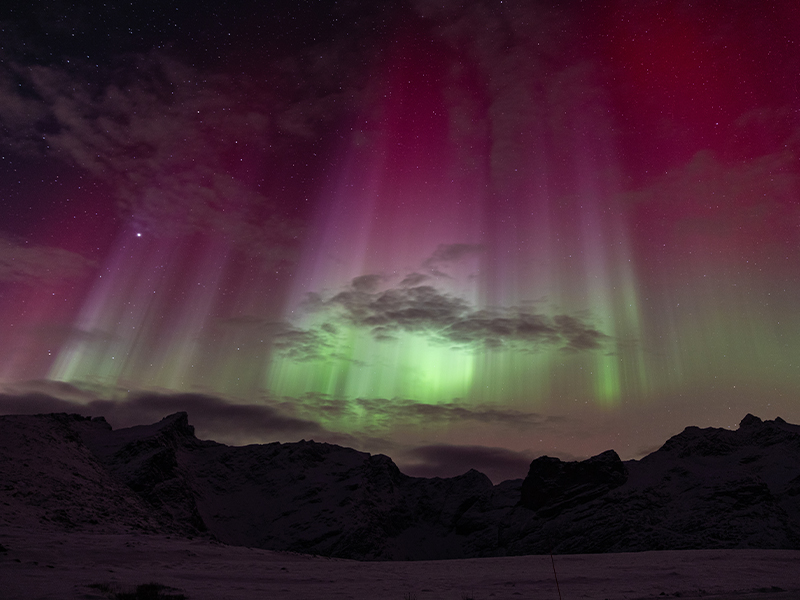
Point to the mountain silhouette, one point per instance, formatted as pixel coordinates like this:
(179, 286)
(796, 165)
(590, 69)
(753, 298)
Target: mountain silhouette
(703, 489)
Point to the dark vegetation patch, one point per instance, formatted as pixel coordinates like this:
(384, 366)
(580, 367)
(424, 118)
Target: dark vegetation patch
(144, 591)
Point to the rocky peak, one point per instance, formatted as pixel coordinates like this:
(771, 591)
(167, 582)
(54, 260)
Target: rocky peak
(553, 486)
(750, 421)
(176, 425)
(720, 442)
(101, 421)
(171, 432)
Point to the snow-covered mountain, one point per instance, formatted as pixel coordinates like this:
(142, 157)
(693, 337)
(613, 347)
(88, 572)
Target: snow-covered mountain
(705, 488)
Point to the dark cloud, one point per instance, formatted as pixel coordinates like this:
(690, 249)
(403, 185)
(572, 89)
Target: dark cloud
(329, 328)
(447, 319)
(287, 340)
(301, 344)
(366, 283)
(40, 264)
(272, 415)
(319, 404)
(411, 309)
(446, 253)
(444, 460)
(577, 335)
(214, 414)
(213, 417)
(414, 279)
(493, 329)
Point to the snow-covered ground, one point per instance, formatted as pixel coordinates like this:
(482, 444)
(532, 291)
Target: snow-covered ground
(44, 564)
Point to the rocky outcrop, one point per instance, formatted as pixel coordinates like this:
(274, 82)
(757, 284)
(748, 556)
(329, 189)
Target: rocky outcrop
(553, 486)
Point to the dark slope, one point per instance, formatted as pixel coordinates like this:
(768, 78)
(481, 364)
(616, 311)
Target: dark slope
(49, 477)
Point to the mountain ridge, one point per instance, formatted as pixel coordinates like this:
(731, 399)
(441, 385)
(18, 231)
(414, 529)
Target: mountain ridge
(703, 488)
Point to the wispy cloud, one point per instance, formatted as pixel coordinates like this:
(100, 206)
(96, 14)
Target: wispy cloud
(414, 279)
(174, 145)
(446, 253)
(400, 410)
(40, 264)
(759, 214)
(285, 339)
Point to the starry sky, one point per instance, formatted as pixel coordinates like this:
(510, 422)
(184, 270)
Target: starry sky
(464, 234)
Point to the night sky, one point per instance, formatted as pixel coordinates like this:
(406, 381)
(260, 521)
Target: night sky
(464, 234)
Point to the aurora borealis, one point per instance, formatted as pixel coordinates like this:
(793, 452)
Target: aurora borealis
(459, 233)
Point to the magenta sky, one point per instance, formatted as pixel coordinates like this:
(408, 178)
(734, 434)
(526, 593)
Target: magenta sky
(460, 233)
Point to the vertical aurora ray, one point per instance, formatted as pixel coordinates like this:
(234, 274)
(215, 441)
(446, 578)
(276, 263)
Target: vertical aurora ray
(169, 313)
(143, 318)
(529, 240)
(717, 321)
(395, 203)
(620, 371)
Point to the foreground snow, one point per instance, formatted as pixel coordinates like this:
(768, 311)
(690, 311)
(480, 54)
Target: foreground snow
(44, 564)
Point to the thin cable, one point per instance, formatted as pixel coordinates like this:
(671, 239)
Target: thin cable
(556, 576)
